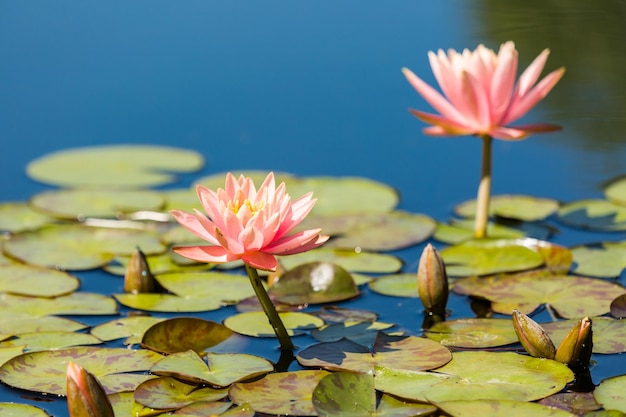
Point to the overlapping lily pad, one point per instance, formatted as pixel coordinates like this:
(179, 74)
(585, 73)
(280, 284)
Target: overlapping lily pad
(363, 333)
(19, 216)
(170, 393)
(458, 231)
(255, 323)
(501, 407)
(351, 260)
(77, 303)
(222, 287)
(167, 303)
(21, 410)
(36, 281)
(519, 207)
(50, 340)
(473, 333)
(131, 328)
(606, 259)
(609, 335)
(12, 322)
(611, 395)
(598, 215)
(180, 334)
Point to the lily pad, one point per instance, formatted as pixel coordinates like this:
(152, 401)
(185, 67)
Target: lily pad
(598, 215)
(50, 340)
(167, 303)
(615, 191)
(180, 334)
(473, 333)
(132, 328)
(458, 231)
(163, 263)
(363, 333)
(397, 285)
(222, 287)
(36, 281)
(502, 407)
(611, 395)
(334, 314)
(19, 217)
(520, 207)
(78, 247)
(609, 335)
(351, 260)
(170, 393)
(578, 403)
(21, 410)
(16, 323)
(77, 303)
(607, 259)
(255, 323)
(115, 166)
(314, 283)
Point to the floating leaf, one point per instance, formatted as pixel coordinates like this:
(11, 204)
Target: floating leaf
(487, 256)
(45, 371)
(21, 410)
(334, 314)
(162, 263)
(118, 166)
(284, 393)
(19, 217)
(255, 323)
(618, 307)
(77, 303)
(221, 287)
(36, 281)
(599, 215)
(16, 323)
(78, 247)
(610, 393)
(180, 334)
(500, 407)
(353, 261)
(124, 405)
(609, 335)
(7, 353)
(50, 340)
(213, 409)
(607, 259)
(363, 333)
(577, 403)
(170, 393)
(459, 231)
(78, 204)
(397, 285)
(473, 333)
(519, 207)
(615, 191)
(314, 283)
(132, 328)
(167, 303)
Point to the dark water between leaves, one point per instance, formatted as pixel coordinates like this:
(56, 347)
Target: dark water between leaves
(312, 88)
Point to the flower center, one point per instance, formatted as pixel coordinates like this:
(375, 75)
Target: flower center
(236, 205)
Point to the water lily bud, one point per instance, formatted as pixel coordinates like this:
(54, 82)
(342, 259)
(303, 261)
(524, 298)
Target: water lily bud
(85, 395)
(138, 278)
(532, 336)
(575, 349)
(432, 282)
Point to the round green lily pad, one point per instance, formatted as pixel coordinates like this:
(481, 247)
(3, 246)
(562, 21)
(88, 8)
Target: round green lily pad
(351, 260)
(50, 340)
(611, 395)
(606, 259)
(222, 287)
(497, 408)
(519, 207)
(255, 323)
(76, 303)
(21, 410)
(16, 323)
(180, 334)
(167, 303)
(19, 217)
(115, 166)
(35, 281)
(598, 215)
(473, 333)
(458, 231)
(397, 285)
(132, 328)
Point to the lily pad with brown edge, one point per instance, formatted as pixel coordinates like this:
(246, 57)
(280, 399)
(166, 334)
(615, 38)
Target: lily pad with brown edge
(115, 166)
(10, 352)
(36, 281)
(219, 370)
(50, 340)
(167, 303)
(353, 261)
(222, 287)
(79, 247)
(363, 333)
(131, 328)
(618, 307)
(610, 393)
(314, 283)
(16, 323)
(180, 334)
(489, 256)
(45, 371)
(606, 259)
(393, 352)
(473, 333)
(569, 295)
(500, 407)
(335, 314)
(596, 215)
(21, 410)
(163, 263)
(557, 259)
(283, 393)
(519, 207)
(77, 303)
(609, 335)
(169, 393)
(213, 409)
(577, 403)
(396, 285)
(255, 323)
(79, 204)
(18, 217)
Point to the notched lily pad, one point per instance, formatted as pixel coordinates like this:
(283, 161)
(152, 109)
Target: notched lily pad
(167, 303)
(132, 328)
(520, 207)
(473, 333)
(77, 303)
(170, 393)
(598, 215)
(255, 323)
(606, 259)
(221, 287)
(363, 333)
(351, 260)
(180, 334)
(397, 285)
(35, 281)
(50, 340)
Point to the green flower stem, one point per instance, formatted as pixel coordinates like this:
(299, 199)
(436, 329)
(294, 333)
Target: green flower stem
(269, 309)
(484, 191)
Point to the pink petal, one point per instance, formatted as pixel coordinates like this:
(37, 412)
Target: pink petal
(312, 244)
(251, 239)
(449, 126)
(299, 210)
(502, 82)
(508, 133)
(477, 100)
(209, 254)
(531, 74)
(521, 106)
(260, 260)
(296, 243)
(194, 224)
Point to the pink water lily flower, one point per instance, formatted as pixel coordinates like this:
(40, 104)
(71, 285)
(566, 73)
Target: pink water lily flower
(480, 94)
(244, 223)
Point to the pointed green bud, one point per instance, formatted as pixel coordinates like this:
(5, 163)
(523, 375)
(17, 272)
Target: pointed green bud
(138, 278)
(532, 336)
(432, 282)
(576, 348)
(85, 395)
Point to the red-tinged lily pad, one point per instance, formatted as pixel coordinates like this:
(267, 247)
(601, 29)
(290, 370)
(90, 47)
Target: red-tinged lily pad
(351, 260)
(352, 394)
(618, 307)
(598, 215)
(214, 409)
(473, 333)
(255, 323)
(577, 403)
(501, 407)
(610, 393)
(50, 340)
(489, 256)
(21, 410)
(170, 393)
(7, 353)
(20, 217)
(220, 369)
(284, 393)
(45, 371)
(314, 283)
(167, 303)
(571, 296)
(222, 287)
(606, 259)
(35, 281)
(16, 323)
(77, 303)
(117, 166)
(334, 314)
(363, 333)
(183, 333)
(518, 207)
(397, 285)
(79, 247)
(79, 204)
(393, 352)
(132, 328)
(609, 335)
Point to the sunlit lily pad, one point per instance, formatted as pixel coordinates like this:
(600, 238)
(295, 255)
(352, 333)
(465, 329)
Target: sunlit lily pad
(77, 303)
(16, 323)
(163, 263)
(45, 371)
(78, 247)
(170, 393)
(578, 403)
(600, 215)
(519, 207)
(487, 256)
(609, 335)
(19, 217)
(397, 285)
(353, 261)
(392, 352)
(255, 323)
(124, 404)
(473, 333)
(167, 303)
(50, 340)
(501, 407)
(180, 334)
(116, 166)
(363, 333)
(607, 259)
(284, 393)
(335, 314)
(222, 287)
(36, 281)
(214, 409)
(78, 204)
(611, 395)
(220, 369)
(615, 191)
(10, 352)
(21, 410)
(314, 283)
(458, 231)
(132, 328)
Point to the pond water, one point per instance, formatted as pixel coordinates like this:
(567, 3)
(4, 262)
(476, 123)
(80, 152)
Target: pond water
(311, 88)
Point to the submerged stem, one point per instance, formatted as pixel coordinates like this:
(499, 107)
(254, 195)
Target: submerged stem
(269, 309)
(484, 190)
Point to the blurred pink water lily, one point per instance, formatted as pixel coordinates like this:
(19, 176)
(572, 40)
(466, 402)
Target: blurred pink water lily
(244, 223)
(481, 94)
